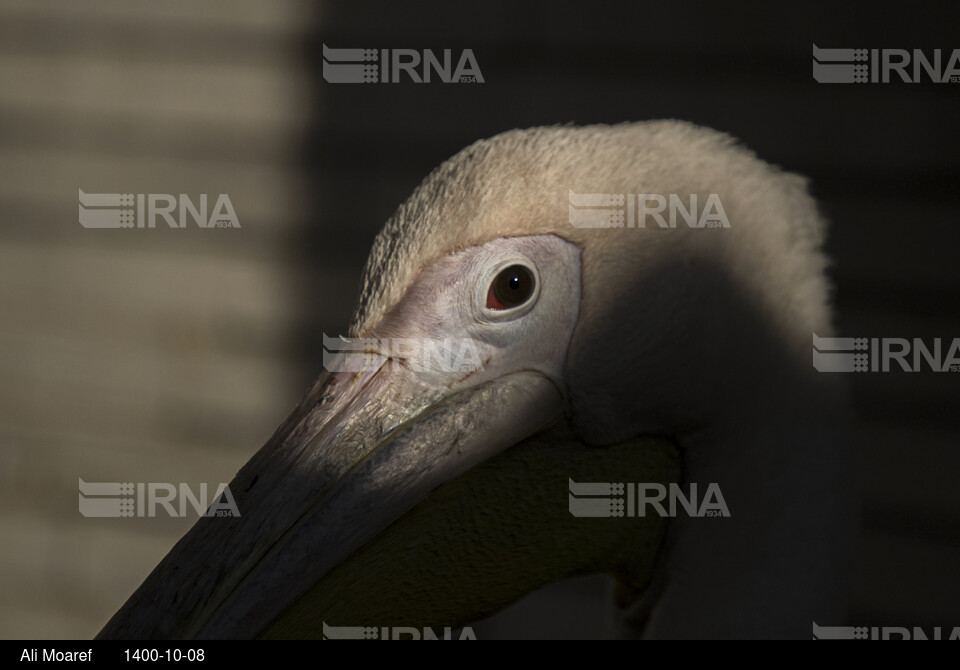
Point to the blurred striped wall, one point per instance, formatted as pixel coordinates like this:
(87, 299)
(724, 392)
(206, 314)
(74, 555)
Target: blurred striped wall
(138, 355)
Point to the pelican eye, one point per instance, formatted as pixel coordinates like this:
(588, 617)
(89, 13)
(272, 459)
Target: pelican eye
(513, 286)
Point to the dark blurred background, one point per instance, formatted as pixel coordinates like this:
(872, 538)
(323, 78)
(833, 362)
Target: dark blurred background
(171, 355)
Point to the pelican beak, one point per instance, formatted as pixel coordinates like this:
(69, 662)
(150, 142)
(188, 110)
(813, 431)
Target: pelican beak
(361, 449)
(338, 494)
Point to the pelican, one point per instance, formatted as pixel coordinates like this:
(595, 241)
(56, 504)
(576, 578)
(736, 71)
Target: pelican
(403, 493)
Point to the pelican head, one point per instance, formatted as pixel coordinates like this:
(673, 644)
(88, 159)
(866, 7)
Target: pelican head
(405, 491)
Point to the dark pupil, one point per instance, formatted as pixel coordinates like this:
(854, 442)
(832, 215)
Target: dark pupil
(513, 286)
